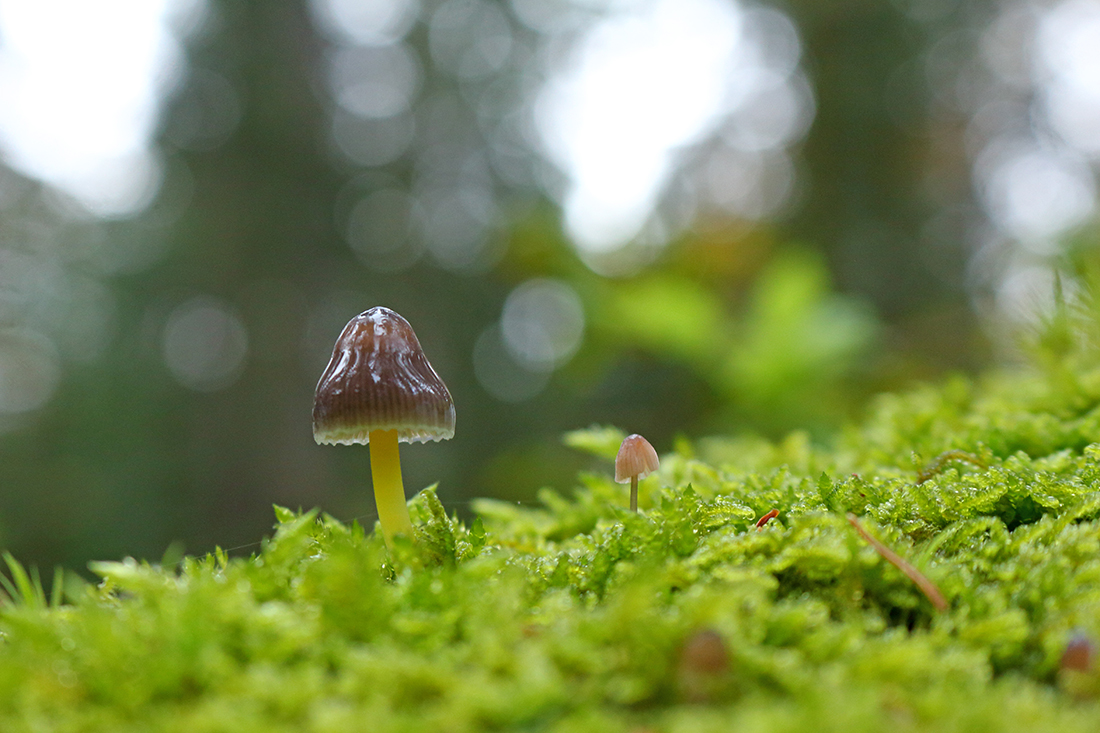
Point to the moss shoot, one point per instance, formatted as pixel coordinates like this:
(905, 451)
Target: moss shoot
(580, 615)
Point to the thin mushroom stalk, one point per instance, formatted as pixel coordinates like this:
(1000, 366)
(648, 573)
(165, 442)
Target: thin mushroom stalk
(389, 489)
(633, 493)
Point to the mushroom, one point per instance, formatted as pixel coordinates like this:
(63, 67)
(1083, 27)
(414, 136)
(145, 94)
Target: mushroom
(636, 460)
(379, 389)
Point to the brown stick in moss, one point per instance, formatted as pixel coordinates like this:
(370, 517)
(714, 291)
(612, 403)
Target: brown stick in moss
(927, 587)
(766, 518)
(937, 464)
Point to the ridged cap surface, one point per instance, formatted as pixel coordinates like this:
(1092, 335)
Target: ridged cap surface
(636, 458)
(379, 379)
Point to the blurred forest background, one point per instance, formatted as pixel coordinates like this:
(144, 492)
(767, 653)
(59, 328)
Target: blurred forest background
(680, 217)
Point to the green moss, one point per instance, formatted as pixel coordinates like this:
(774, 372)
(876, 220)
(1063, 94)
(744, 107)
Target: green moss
(579, 615)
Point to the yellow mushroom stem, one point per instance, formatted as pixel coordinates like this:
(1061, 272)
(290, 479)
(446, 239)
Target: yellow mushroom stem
(633, 493)
(389, 491)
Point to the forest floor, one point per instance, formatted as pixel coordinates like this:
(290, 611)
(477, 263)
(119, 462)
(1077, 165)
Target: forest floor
(934, 567)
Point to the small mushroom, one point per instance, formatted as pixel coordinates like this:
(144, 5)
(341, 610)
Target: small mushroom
(636, 460)
(379, 389)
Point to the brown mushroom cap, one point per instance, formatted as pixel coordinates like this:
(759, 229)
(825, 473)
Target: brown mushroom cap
(636, 458)
(379, 379)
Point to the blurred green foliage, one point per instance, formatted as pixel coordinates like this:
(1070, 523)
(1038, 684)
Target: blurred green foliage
(782, 361)
(736, 327)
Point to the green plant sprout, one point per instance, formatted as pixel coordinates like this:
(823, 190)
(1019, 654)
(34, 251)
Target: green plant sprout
(379, 389)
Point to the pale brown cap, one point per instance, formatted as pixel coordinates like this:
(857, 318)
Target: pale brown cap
(379, 379)
(636, 458)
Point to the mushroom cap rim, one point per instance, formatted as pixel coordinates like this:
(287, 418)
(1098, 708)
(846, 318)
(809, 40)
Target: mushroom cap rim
(638, 476)
(362, 437)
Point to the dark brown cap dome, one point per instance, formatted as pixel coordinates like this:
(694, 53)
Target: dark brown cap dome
(379, 379)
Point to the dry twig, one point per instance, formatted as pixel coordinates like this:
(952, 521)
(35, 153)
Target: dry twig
(927, 587)
(936, 464)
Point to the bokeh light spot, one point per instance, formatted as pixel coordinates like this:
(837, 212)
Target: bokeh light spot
(372, 142)
(456, 226)
(542, 324)
(371, 23)
(640, 84)
(780, 113)
(206, 114)
(29, 371)
(500, 374)
(380, 230)
(1035, 194)
(80, 85)
(470, 38)
(635, 89)
(205, 344)
(1068, 47)
(374, 82)
(1026, 293)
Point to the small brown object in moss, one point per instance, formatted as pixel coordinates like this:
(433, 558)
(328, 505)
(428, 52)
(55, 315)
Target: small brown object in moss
(703, 672)
(766, 518)
(1079, 654)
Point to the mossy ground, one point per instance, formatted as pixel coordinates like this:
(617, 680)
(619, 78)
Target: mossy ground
(580, 615)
